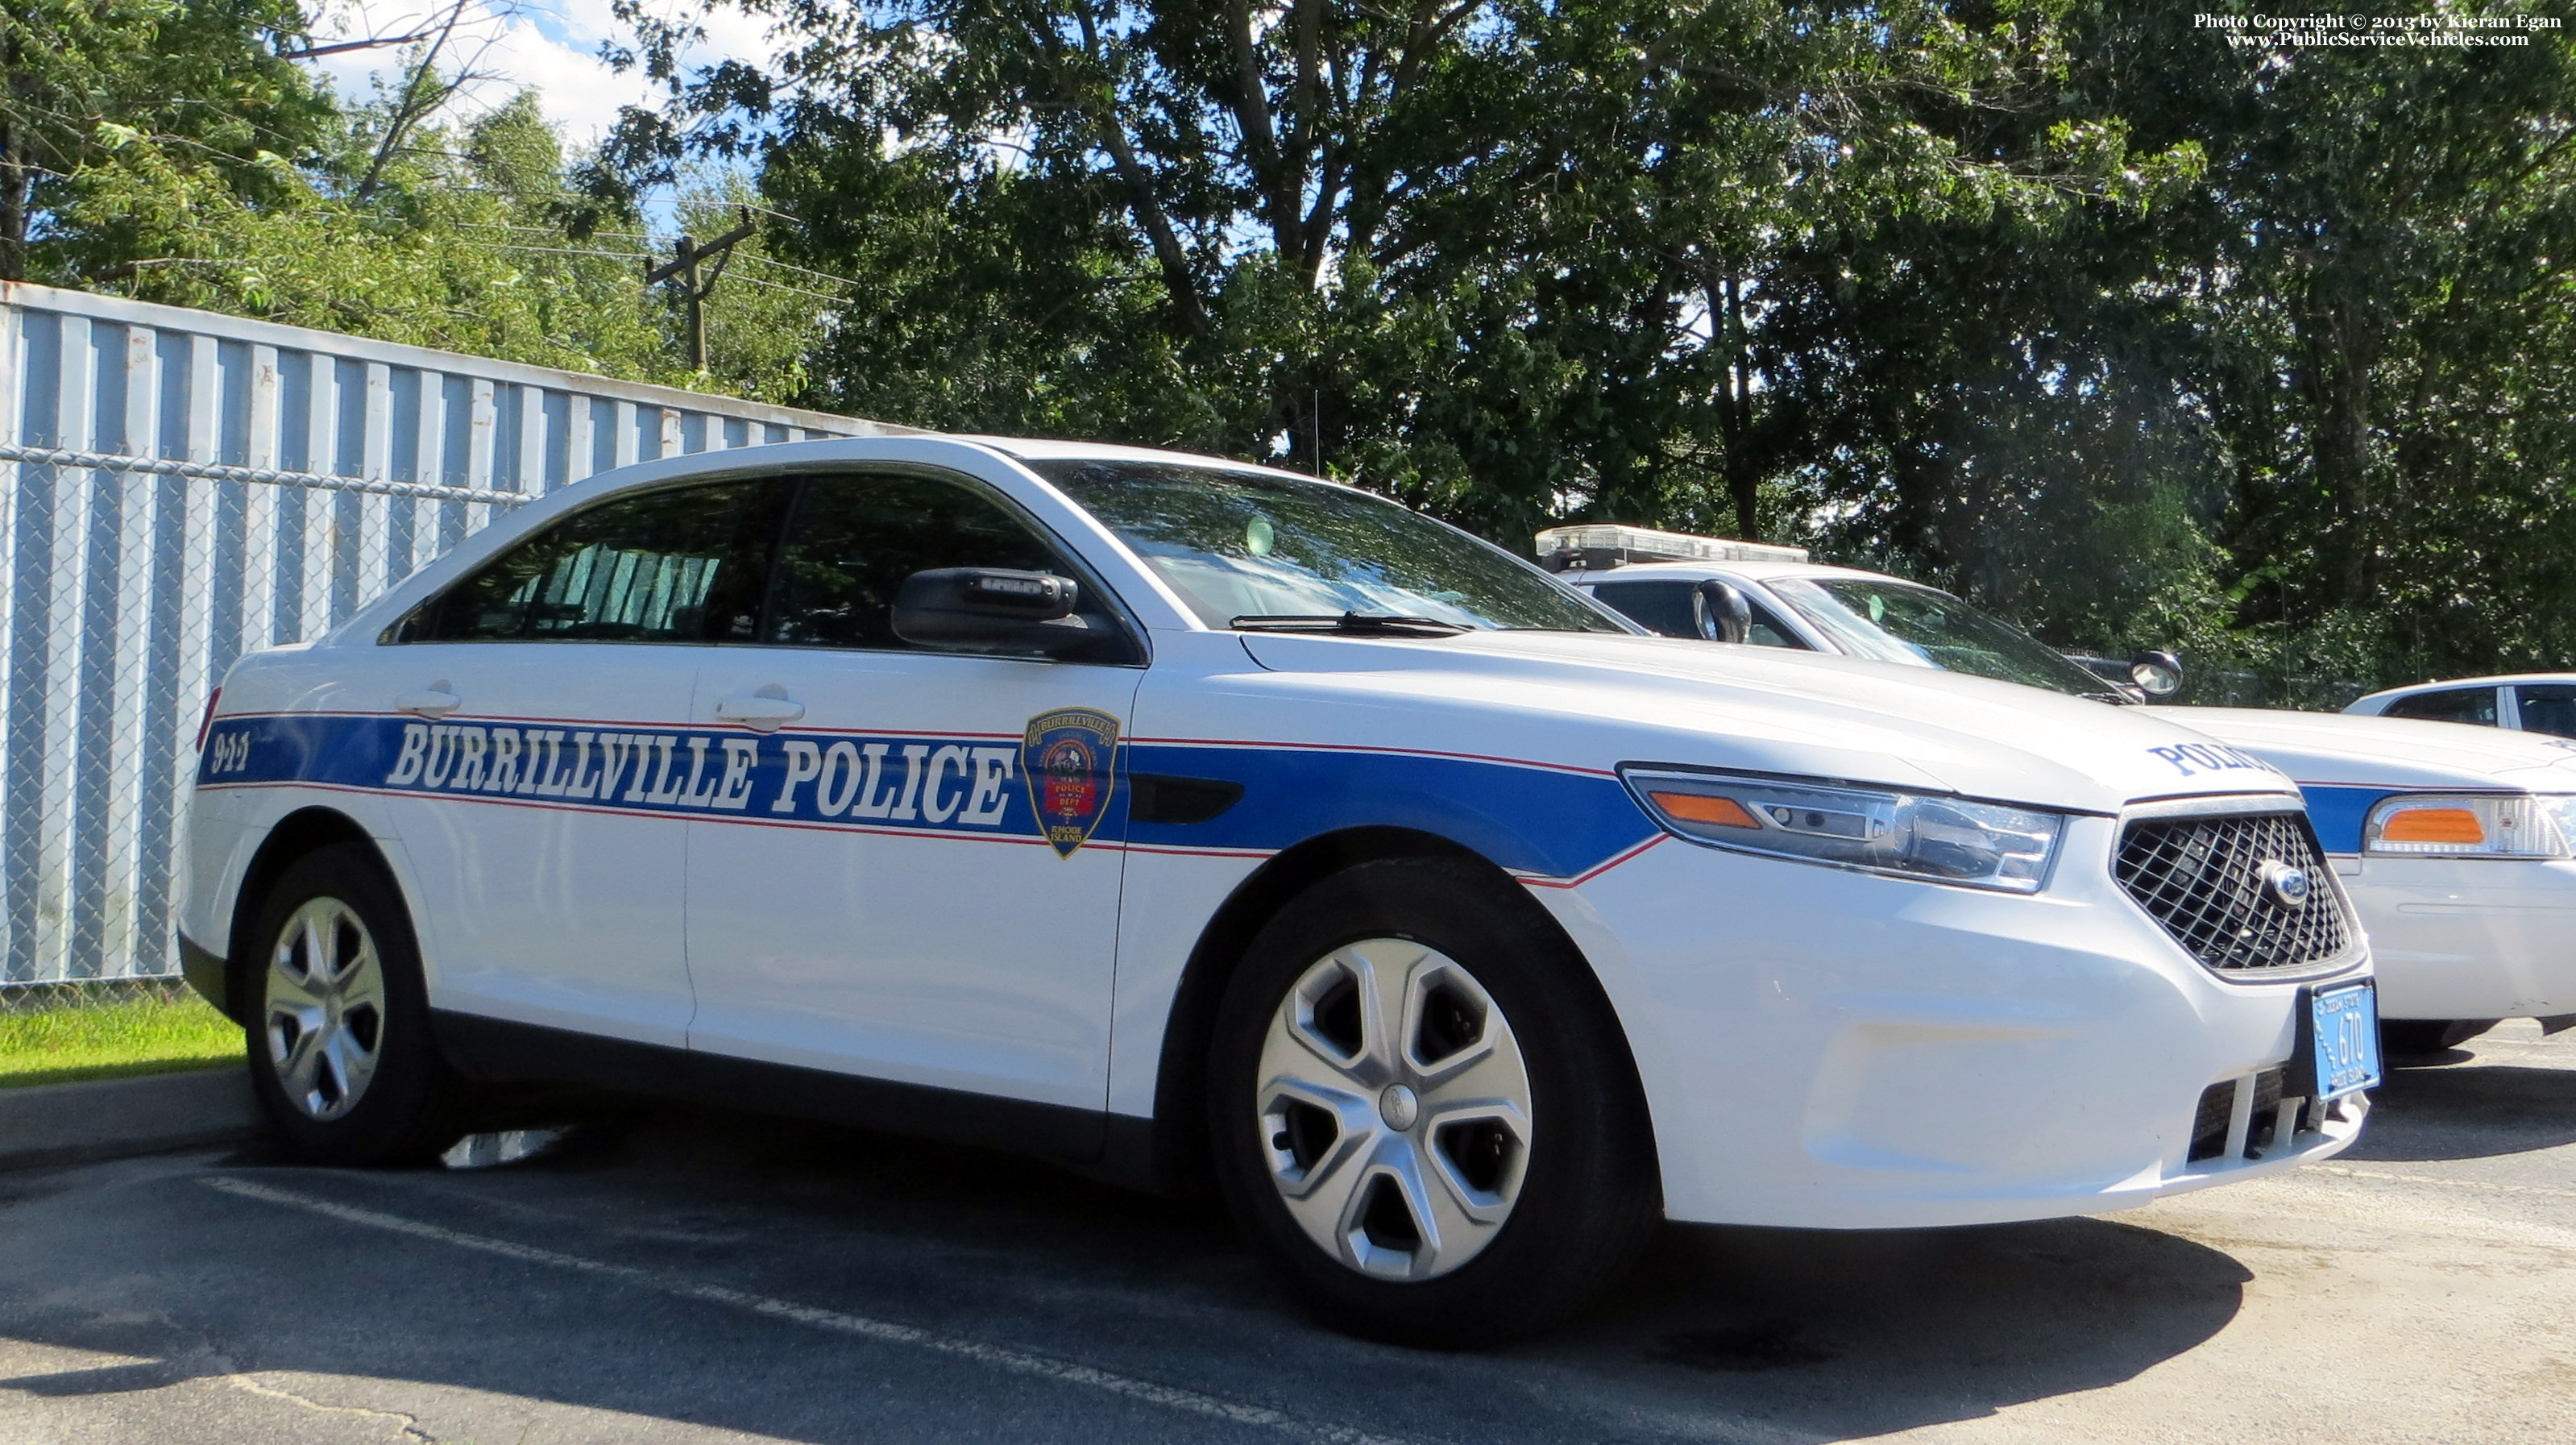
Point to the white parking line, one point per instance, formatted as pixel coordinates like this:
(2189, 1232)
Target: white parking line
(1017, 1362)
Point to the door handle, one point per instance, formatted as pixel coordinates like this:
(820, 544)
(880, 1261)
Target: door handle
(433, 702)
(763, 710)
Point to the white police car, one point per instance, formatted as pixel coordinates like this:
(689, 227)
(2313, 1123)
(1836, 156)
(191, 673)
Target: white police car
(2459, 847)
(1160, 815)
(2537, 702)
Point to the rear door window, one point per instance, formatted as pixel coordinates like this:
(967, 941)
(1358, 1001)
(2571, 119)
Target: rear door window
(2548, 707)
(2476, 705)
(678, 564)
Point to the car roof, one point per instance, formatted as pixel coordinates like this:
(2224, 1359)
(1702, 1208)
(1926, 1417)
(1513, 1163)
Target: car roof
(1042, 449)
(2411, 689)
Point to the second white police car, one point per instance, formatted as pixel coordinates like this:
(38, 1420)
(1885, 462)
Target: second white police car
(2458, 845)
(1168, 818)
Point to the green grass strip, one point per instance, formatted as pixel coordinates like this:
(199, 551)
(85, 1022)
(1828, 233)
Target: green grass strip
(146, 1036)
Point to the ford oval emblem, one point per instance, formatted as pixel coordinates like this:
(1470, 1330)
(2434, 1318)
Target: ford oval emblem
(2285, 886)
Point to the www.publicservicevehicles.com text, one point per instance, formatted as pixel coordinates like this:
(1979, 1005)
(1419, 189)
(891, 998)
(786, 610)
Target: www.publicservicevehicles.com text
(2363, 31)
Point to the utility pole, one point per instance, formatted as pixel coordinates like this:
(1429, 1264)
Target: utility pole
(686, 258)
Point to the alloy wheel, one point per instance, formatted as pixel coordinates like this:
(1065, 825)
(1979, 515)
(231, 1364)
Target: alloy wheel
(324, 1010)
(1394, 1109)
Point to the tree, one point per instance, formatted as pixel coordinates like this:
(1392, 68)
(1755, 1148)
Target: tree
(1506, 260)
(390, 216)
(80, 79)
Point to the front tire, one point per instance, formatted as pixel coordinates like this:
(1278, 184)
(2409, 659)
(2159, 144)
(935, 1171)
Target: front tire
(338, 1018)
(1423, 1112)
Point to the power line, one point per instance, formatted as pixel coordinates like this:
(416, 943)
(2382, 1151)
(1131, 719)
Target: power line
(645, 256)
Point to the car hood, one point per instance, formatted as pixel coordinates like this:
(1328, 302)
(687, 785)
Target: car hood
(1598, 699)
(2330, 749)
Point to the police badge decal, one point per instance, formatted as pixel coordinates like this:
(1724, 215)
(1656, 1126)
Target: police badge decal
(1070, 758)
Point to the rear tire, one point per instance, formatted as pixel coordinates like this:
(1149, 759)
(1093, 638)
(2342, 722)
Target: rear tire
(337, 1018)
(1424, 1113)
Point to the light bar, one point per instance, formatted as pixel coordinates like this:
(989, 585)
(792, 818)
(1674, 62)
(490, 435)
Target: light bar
(1645, 544)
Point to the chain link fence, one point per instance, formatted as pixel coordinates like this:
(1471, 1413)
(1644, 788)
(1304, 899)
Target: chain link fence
(186, 487)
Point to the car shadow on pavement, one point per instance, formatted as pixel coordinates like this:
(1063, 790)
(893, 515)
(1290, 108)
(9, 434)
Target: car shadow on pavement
(1730, 1333)
(2446, 1108)
(1829, 1335)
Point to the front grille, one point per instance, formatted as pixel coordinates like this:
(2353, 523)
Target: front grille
(2209, 1125)
(2202, 878)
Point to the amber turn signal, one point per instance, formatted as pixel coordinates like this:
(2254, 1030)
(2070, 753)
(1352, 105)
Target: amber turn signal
(1701, 808)
(2432, 825)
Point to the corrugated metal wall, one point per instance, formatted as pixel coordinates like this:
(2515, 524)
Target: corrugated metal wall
(185, 487)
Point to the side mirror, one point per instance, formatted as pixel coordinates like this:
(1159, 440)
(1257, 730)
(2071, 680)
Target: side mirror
(1720, 612)
(991, 609)
(2157, 674)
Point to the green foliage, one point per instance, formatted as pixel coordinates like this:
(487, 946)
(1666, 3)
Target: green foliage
(2145, 339)
(82, 79)
(1466, 253)
(244, 189)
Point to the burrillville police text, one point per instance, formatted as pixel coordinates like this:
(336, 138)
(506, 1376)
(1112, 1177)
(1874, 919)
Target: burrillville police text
(2358, 31)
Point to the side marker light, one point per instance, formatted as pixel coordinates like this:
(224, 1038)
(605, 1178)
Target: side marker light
(1701, 808)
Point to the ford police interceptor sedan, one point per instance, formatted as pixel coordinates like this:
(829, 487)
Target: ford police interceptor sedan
(2458, 845)
(1167, 817)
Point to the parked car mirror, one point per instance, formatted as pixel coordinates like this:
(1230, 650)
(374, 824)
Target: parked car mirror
(991, 609)
(2157, 674)
(1720, 612)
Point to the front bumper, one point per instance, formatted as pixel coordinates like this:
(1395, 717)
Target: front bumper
(2469, 938)
(1824, 1048)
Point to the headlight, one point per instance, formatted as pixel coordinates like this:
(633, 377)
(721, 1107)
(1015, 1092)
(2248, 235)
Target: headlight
(1911, 835)
(2471, 825)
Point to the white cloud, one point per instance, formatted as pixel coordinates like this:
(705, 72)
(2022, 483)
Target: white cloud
(551, 46)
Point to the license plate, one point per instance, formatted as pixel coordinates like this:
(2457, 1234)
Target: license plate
(2343, 1033)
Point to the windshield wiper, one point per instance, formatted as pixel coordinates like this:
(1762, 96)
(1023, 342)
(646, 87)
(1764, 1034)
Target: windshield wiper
(1349, 624)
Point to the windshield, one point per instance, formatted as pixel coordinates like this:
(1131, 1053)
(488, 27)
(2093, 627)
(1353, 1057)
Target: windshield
(1900, 622)
(1242, 544)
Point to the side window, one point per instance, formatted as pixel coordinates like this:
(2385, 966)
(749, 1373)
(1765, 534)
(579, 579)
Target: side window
(1665, 607)
(682, 564)
(2549, 707)
(1767, 631)
(1662, 607)
(853, 540)
(2460, 705)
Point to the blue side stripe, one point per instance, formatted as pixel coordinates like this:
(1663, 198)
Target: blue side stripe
(1533, 820)
(2338, 812)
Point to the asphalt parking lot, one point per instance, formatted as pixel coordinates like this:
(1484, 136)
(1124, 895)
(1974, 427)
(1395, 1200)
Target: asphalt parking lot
(687, 1276)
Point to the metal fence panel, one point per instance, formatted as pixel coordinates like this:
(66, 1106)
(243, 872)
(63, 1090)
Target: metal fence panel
(186, 487)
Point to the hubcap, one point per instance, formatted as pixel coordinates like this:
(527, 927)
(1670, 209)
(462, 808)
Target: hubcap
(324, 1011)
(1394, 1109)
